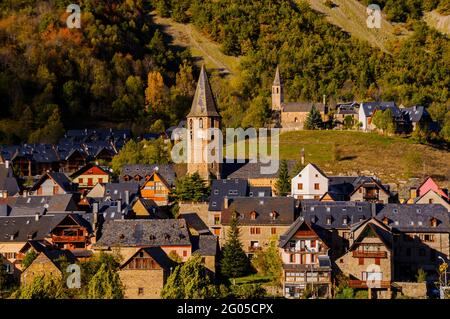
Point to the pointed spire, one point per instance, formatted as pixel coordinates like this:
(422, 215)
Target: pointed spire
(277, 80)
(204, 103)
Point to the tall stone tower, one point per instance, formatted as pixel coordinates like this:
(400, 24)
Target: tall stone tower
(204, 152)
(277, 92)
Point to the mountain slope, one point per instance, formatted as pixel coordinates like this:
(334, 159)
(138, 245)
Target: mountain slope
(351, 16)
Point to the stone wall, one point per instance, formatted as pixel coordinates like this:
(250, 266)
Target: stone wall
(142, 284)
(413, 289)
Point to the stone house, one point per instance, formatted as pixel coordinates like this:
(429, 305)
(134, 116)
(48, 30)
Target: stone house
(305, 261)
(369, 262)
(260, 220)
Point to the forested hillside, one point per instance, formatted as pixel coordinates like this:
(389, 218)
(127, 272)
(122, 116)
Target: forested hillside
(51, 75)
(118, 68)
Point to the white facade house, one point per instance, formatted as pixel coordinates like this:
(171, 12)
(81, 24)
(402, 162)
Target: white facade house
(310, 183)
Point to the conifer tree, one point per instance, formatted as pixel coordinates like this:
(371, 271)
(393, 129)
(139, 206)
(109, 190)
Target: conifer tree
(283, 184)
(234, 261)
(314, 120)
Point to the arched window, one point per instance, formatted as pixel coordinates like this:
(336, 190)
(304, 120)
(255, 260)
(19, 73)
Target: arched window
(295, 120)
(278, 91)
(200, 123)
(190, 124)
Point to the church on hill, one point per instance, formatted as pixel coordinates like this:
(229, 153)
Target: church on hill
(293, 114)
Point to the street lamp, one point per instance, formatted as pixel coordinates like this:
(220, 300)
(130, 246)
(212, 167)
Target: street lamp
(445, 270)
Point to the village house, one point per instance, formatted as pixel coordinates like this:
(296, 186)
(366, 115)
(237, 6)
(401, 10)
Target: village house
(369, 262)
(347, 115)
(62, 231)
(8, 183)
(147, 209)
(310, 183)
(48, 263)
(169, 238)
(90, 175)
(421, 234)
(306, 263)
(53, 183)
(261, 219)
(368, 109)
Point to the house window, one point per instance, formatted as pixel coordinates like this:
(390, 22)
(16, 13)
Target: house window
(377, 261)
(313, 243)
(360, 261)
(292, 258)
(253, 215)
(200, 123)
(316, 197)
(80, 180)
(255, 230)
(100, 180)
(217, 220)
(430, 201)
(55, 189)
(316, 186)
(140, 291)
(185, 253)
(300, 186)
(313, 258)
(273, 230)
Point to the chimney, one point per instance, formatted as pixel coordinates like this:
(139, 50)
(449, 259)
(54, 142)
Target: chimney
(37, 216)
(373, 207)
(225, 202)
(119, 206)
(94, 217)
(127, 197)
(6, 164)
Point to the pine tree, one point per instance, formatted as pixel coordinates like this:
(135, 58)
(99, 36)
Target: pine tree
(234, 261)
(191, 188)
(283, 184)
(313, 120)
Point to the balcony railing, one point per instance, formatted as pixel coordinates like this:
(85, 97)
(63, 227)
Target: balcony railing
(254, 248)
(68, 238)
(369, 254)
(372, 284)
(303, 250)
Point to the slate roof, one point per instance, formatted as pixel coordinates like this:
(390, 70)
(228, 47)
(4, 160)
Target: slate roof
(86, 168)
(347, 108)
(157, 254)
(60, 179)
(263, 206)
(259, 191)
(383, 234)
(205, 245)
(136, 233)
(204, 103)
(194, 221)
(30, 205)
(414, 217)
(317, 213)
(284, 239)
(226, 187)
(304, 107)
(415, 113)
(22, 227)
(152, 208)
(277, 80)
(369, 107)
(165, 170)
(7, 181)
(249, 170)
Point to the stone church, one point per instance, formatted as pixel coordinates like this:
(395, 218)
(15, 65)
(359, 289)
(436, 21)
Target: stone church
(292, 114)
(203, 116)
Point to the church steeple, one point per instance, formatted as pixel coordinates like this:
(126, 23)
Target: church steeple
(277, 91)
(204, 103)
(204, 154)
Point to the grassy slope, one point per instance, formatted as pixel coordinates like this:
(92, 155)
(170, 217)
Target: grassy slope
(202, 49)
(351, 16)
(391, 158)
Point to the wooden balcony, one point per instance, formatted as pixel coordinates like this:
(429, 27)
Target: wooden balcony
(369, 254)
(384, 284)
(64, 239)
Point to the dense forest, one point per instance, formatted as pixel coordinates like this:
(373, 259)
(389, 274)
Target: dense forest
(52, 76)
(118, 69)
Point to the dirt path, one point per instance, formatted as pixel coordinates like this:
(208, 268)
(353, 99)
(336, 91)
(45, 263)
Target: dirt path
(202, 49)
